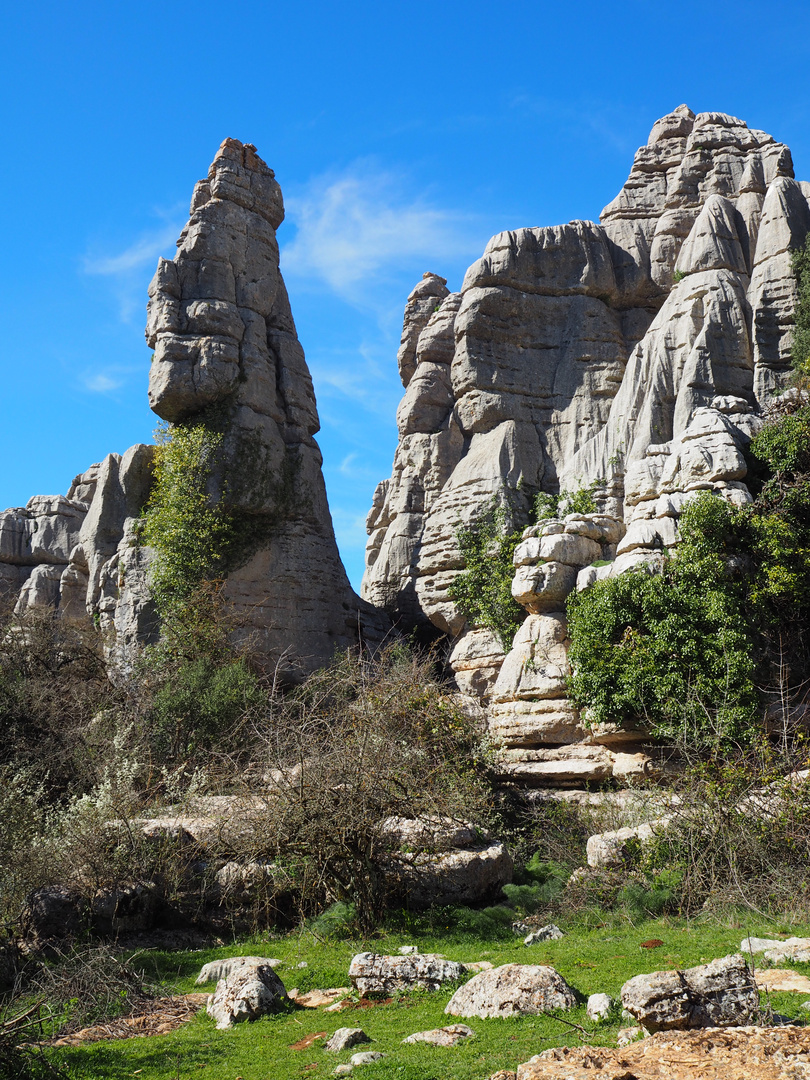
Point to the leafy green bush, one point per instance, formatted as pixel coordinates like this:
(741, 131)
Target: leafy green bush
(202, 706)
(669, 649)
(483, 590)
(800, 349)
(581, 501)
(188, 529)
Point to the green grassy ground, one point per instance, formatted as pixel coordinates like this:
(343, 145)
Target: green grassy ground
(600, 958)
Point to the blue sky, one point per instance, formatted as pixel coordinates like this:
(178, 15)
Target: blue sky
(403, 137)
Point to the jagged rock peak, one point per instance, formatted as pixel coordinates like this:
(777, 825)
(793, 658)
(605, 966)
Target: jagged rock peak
(423, 300)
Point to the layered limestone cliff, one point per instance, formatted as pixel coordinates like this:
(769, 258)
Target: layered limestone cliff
(637, 355)
(227, 355)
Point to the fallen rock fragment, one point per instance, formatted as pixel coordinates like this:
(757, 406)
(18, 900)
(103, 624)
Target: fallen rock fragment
(444, 1036)
(545, 933)
(372, 973)
(512, 990)
(246, 994)
(221, 969)
(368, 1057)
(599, 1006)
(314, 999)
(345, 1038)
(720, 994)
(795, 949)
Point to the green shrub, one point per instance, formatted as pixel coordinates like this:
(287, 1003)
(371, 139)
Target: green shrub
(581, 501)
(201, 707)
(483, 590)
(670, 649)
(186, 526)
(800, 348)
(338, 921)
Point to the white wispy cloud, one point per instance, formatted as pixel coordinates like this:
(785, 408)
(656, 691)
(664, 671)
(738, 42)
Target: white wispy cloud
(128, 270)
(355, 226)
(143, 251)
(106, 380)
(101, 383)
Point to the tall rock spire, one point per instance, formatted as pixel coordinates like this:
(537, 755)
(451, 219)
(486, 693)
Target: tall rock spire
(227, 353)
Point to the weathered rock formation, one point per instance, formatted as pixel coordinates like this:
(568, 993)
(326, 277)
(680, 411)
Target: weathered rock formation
(226, 354)
(636, 355)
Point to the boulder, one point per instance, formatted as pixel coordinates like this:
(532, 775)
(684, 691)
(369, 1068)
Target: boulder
(512, 990)
(599, 1007)
(720, 994)
(444, 1036)
(373, 973)
(221, 969)
(251, 991)
(545, 933)
(344, 1038)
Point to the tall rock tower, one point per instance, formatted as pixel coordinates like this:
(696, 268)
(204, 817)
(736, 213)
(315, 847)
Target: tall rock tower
(227, 353)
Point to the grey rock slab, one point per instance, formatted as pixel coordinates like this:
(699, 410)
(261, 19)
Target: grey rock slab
(253, 990)
(794, 949)
(367, 1057)
(344, 1038)
(720, 994)
(444, 1036)
(512, 990)
(758, 944)
(375, 973)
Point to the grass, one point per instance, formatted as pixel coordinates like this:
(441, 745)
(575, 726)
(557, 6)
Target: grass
(592, 958)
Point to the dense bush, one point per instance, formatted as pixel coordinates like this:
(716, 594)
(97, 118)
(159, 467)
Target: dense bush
(359, 744)
(184, 523)
(483, 590)
(697, 650)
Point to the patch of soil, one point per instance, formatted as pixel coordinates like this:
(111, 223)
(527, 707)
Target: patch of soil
(153, 1017)
(748, 1053)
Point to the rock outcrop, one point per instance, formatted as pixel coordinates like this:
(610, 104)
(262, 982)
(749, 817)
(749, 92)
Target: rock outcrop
(227, 355)
(634, 356)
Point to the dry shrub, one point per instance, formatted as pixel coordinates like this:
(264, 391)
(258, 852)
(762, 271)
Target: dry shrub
(362, 741)
(740, 836)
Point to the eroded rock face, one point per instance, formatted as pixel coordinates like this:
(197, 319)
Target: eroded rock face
(635, 355)
(574, 352)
